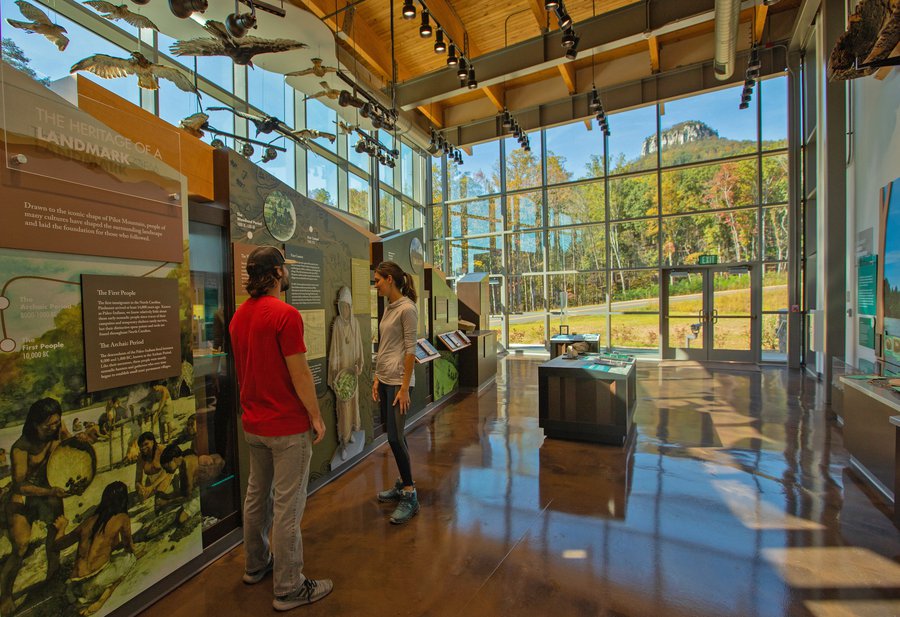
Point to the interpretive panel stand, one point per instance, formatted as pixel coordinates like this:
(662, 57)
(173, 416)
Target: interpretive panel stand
(867, 415)
(478, 361)
(587, 399)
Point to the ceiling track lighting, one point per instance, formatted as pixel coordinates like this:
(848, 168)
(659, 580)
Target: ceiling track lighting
(425, 29)
(452, 60)
(551, 5)
(595, 104)
(509, 124)
(563, 18)
(409, 9)
(471, 84)
(462, 69)
(439, 45)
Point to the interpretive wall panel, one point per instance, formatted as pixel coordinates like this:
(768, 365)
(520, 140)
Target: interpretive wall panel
(78, 452)
(332, 257)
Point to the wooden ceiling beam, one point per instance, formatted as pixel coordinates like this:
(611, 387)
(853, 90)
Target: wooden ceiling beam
(567, 70)
(361, 38)
(540, 14)
(434, 113)
(588, 124)
(496, 95)
(759, 21)
(653, 48)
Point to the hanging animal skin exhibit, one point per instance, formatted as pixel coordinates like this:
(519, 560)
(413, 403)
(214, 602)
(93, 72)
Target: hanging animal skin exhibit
(39, 24)
(148, 73)
(241, 51)
(114, 12)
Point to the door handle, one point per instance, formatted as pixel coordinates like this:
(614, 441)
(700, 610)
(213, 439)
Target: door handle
(715, 318)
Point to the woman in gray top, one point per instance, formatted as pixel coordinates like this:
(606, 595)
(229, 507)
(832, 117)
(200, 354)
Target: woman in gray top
(394, 378)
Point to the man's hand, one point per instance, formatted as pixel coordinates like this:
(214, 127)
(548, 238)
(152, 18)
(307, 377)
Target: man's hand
(61, 523)
(58, 492)
(375, 390)
(319, 429)
(403, 399)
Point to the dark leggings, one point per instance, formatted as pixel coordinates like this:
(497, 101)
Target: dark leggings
(395, 422)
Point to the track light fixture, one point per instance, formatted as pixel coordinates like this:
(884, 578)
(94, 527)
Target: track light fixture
(571, 53)
(238, 24)
(509, 123)
(270, 154)
(753, 63)
(409, 9)
(247, 149)
(439, 45)
(569, 39)
(462, 69)
(185, 8)
(452, 60)
(563, 18)
(471, 83)
(425, 29)
(506, 120)
(551, 5)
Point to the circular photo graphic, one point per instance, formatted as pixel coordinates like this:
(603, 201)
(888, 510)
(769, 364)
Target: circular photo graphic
(280, 216)
(416, 255)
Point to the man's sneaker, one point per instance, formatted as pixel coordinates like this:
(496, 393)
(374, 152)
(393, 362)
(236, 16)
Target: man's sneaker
(391, 494)
(407, 508)
(251, 578)
(310, 591)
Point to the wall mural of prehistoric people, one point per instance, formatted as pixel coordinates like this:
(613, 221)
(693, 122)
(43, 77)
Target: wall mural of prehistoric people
(89, 519)
(345, 363)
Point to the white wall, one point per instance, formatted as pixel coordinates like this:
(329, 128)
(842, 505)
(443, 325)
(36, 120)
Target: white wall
(874, 162)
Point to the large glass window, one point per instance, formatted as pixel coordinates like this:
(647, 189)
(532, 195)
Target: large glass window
(523, 210)
(35, 53)
(479, 174)
(476, 255)
(707, 126)
(407, 170)
(321, 118)
(710, 187)
(632, 140)
(472, 218)
(360, 159)
(388, 211)
(633, 197)
(574, 152)
(577, 248)
(732, 235)
(575, 205)
(321, 179)
(523, 169)
(218, 70)
(358, 198)
(773, 95)
(525, 253)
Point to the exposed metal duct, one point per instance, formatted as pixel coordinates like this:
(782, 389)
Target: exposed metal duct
(727, 14)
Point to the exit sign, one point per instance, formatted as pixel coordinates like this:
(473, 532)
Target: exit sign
(708, 260)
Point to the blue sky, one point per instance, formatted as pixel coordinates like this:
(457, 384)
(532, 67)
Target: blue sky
(892, 240)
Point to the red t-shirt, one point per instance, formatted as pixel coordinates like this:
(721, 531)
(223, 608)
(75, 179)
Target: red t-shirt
(263, 332)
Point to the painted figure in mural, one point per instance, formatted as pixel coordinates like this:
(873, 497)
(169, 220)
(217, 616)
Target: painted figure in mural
(345, 363)
(394, 378)
(31, 499)
(164, 413)
(98, 571)
(183, 467)
(278, 396)
(77, 426)
(4, 463)
(149, 474)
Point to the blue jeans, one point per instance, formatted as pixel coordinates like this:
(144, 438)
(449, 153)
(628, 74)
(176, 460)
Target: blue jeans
(276, 498)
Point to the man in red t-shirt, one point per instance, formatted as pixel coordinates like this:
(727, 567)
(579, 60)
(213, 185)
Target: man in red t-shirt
(278, 398)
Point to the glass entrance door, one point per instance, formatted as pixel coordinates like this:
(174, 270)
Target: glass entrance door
(711, 313)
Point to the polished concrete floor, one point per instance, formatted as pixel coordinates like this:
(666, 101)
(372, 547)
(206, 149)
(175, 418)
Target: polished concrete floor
(735, 500)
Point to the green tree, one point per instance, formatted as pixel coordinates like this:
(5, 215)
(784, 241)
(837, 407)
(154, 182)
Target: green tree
(15, 57)
(322, 196)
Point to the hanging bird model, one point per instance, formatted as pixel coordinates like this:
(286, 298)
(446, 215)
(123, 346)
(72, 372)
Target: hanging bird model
(346, 129)
(114, 12)
(317, 69)
(327, 92)
(270, 124)
(39, 24)
(148, 73)
(241, 50)
(195, 123)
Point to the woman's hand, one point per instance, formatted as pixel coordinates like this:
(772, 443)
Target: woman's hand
(375, 389)
(402, 399)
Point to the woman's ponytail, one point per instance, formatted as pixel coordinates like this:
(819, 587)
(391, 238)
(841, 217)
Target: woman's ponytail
(409, 287)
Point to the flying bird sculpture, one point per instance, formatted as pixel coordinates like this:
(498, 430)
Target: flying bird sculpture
(327, 92)
(195, 123)
(39, 24)
(271, 124)
(148, 73)
(114, 12)
(346, 129)
(241, 50)
(317, 69)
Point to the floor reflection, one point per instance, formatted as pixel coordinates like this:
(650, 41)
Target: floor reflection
(732, 500)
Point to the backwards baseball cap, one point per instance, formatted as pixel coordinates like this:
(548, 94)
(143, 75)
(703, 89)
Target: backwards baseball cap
(265, 258)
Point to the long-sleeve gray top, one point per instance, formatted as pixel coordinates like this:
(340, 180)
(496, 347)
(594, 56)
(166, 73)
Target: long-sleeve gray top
(398, 329)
